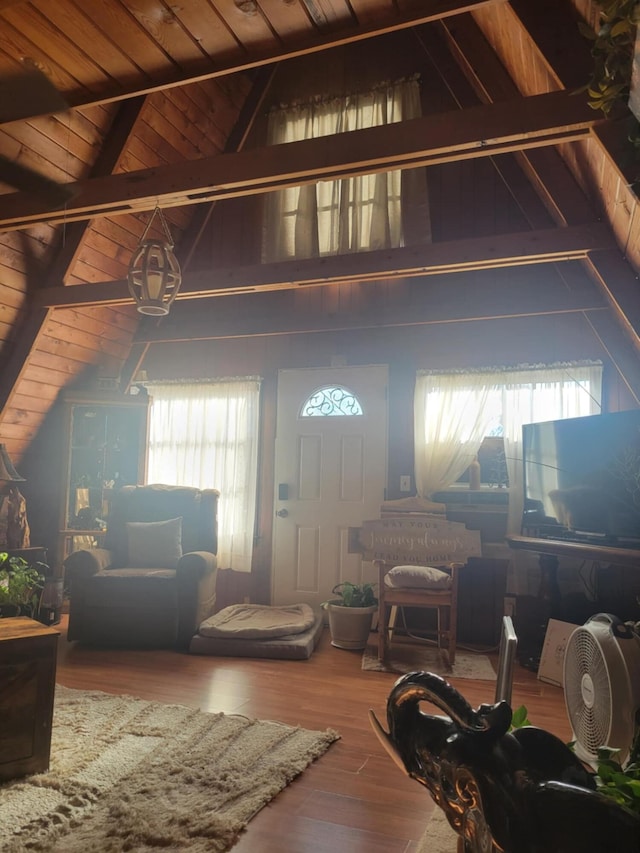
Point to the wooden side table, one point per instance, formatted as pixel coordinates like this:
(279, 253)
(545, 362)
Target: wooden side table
(27, 683)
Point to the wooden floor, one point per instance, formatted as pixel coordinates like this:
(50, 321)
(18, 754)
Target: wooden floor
(353, 799)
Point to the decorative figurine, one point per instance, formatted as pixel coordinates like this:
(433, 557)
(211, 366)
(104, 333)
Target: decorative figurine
(14, 527)
(519, 791)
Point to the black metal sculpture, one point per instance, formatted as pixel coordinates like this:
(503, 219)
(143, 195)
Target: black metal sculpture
(520, 791)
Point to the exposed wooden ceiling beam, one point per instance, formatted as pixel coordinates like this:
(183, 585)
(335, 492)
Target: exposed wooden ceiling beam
(528, 247)
(567, 56)
(544, 167)
(460, 134)
(430, 10)
(190, 238)
(445, 52)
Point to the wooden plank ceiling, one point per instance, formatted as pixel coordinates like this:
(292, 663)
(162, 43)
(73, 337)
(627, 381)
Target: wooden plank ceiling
(162, 97)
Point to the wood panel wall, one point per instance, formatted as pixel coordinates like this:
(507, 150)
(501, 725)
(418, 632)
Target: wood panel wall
(69, 346)
(520, 315)
(471, 198)
(597, 163)
(447, 344)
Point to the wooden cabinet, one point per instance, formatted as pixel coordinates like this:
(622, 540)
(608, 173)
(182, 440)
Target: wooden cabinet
(27, 683)
(105, 450)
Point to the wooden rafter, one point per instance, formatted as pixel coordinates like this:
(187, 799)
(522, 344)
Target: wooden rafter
(430, 10)
(460, 134)
(545, 168)
(235, 142)
(528, 247)
(37, 316)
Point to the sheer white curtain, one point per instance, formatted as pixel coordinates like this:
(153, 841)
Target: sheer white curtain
(453, 411)
(206, 435)
(352, 214)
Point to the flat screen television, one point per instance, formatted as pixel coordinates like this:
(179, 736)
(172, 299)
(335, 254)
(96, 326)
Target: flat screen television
(582, 478)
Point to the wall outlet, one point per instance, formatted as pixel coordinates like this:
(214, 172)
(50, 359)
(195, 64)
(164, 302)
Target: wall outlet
(510, 606)
(405, 483)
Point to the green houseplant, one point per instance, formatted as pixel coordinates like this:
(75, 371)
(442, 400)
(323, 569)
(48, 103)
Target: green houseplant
(350, 614)
(612, 86)
(21, 586)
(613, 47)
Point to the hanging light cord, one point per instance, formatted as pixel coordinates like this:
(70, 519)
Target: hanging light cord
(158, 212)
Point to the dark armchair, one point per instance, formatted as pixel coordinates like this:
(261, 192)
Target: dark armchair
(154, 581)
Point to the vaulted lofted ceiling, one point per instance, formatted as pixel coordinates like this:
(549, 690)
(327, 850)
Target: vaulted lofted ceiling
(163, 99)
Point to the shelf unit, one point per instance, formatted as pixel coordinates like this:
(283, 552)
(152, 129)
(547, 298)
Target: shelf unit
(106, 440)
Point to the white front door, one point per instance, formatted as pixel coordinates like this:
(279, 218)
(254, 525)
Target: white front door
(330, 475)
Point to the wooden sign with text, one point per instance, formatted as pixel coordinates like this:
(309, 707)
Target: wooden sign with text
(420, 540)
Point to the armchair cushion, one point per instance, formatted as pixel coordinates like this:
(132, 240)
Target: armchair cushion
(155, 544)
(417, 577)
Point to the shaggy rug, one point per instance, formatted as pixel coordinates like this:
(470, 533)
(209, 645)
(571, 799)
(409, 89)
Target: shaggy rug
(413, 657)
(438, 836)
(127, 774)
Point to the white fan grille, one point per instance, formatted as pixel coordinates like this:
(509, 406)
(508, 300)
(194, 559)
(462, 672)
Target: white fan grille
(591, 717)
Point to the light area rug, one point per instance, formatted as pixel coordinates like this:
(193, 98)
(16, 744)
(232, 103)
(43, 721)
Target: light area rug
(413, 657)
(128, 774)
(438, 836)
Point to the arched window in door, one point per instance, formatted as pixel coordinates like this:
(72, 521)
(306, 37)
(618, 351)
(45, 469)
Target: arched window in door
(331, 401)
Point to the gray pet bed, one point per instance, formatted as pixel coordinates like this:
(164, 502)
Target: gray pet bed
(257, 631)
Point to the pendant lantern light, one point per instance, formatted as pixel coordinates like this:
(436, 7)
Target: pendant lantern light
(154, 272)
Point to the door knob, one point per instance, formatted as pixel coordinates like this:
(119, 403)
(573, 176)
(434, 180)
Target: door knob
(282, 513)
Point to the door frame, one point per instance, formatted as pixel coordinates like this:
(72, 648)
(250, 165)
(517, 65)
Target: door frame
(266, 583)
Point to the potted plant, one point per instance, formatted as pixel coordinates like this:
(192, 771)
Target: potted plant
(350, 614)
(21, 586)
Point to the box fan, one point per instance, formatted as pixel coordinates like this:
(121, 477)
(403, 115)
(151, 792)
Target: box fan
(601, 679)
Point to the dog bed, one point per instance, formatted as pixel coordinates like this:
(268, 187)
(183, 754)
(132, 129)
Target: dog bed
(260, 631)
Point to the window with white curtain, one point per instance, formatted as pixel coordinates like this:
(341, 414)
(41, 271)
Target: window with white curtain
(351, 214)
(454, 411)
(205, 434)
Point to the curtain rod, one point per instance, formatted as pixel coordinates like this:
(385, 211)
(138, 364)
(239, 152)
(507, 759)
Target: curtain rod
(341, 97)
(558, 365)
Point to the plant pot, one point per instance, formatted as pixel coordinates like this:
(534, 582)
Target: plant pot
(350, 626)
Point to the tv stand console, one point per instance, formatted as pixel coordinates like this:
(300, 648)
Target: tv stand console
(549, 550)
(548, 604)
(579, 550)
